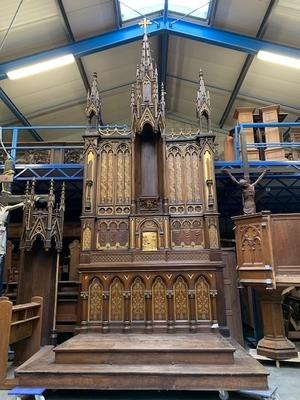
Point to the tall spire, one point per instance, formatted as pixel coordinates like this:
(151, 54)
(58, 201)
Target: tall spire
(203, 107)
(146, 107)
(93, 102)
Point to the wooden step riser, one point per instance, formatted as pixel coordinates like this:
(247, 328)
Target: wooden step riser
(140, 357)
(143, 382)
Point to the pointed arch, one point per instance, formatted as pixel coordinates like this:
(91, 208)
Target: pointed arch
(95, 307)
(181, 307)
(116, 309)
(159, 300)
(203, 304)
(138, 300)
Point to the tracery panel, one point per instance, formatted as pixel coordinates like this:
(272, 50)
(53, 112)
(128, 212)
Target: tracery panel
(116, 309)
(137, 300)
(203, 306)
(95, 309)
(159, 300)
(181, 300)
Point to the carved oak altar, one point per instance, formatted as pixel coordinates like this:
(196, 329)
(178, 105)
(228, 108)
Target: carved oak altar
(150, 257)
(268, 259)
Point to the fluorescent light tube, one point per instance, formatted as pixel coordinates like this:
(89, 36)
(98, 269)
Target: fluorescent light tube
(40, 67)
(279, 59)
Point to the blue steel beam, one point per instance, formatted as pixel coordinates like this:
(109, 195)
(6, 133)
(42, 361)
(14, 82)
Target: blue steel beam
(84, 47)
(207, 34)
(230, 40)
(17, 113)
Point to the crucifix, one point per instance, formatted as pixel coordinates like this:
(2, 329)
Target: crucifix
(248, 188)
(8, 202)
(144, 23)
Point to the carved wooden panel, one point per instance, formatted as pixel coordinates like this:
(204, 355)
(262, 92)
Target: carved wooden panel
(181, 299)
(159, 303)
(187, 232)
(95, 310)
(203, 307)
(87, 236)
(112, 234)
(137, 300)
(251, 244)
(184, 179)
(116, 300)
(114, 178)
(149, 233)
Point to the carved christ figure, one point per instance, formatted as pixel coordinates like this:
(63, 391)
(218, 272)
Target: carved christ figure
(248, 191)
(4, 210)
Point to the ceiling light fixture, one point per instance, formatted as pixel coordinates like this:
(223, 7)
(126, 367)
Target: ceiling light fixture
(40, 67)
(279, 59)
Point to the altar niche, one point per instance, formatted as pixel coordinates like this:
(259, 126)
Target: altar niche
(148, 169)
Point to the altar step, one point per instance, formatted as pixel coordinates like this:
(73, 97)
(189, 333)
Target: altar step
(144, 362)
(145, 349)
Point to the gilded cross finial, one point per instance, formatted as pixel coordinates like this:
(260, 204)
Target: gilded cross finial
(144, 23)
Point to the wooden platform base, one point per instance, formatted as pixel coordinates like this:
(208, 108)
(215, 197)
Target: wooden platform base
(139, 362)
(143, 349)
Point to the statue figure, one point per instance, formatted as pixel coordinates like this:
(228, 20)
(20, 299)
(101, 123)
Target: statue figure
(4, 210)
(9, 172)
(248, 191)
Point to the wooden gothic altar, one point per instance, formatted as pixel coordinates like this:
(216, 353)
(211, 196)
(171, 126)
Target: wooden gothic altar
(150, 259)
(150, 255)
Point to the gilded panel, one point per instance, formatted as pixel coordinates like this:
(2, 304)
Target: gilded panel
(159, 300)
(181, 299)
(137, 300)
(86, 237)
(112, 234)
(203, 307)
(116, 300)
(95, 301)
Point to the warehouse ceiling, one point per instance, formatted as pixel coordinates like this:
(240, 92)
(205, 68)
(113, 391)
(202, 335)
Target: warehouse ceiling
(232, 72)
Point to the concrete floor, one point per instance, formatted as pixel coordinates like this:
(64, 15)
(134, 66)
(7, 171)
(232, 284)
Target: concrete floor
(286, 378)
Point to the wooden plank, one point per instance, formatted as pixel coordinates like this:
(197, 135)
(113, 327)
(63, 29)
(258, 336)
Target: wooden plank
(5, 319)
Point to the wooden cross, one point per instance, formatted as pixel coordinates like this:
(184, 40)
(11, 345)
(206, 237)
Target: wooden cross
(144, 23)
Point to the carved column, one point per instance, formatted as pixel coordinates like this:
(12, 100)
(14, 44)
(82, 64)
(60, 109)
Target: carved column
(148, 301)
(126, 324)
(105, 323)
(170, 305)
(165, 178)
(74, 248)
(213, 297)
(166, 232)
(132, 233)
(274, 344)
(192, 305)
(84, 294)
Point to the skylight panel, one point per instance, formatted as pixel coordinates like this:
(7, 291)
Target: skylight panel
(200, 7)
(131, 9)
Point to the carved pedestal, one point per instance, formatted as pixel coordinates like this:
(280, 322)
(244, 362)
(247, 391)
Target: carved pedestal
(274, 344)
(268, 259)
